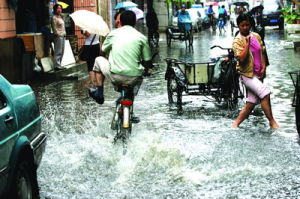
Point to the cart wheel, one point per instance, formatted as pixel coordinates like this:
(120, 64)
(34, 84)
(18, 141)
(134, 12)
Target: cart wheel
(169, 37)
(190, 38)
(174, 92)
(297, 111)
(233, 90)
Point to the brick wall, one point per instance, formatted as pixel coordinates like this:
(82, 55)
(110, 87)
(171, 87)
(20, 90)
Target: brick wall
(7, 21)
(91, 5)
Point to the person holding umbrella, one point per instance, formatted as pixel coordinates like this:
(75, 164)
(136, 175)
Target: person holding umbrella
(152, 25)
(58, 27)
(92, 48)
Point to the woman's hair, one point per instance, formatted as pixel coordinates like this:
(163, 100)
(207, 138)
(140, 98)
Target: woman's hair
(128, 18)
(55, 7)
(243, 17)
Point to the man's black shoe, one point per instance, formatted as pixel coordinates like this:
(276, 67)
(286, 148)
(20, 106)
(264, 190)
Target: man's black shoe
(135, 119)
(92, 93)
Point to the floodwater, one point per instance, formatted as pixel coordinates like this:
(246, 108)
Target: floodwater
(193, 155)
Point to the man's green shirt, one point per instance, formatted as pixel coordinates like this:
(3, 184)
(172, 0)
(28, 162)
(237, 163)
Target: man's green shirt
(127, 48)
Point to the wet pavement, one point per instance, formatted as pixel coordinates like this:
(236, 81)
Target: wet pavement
(193, 155)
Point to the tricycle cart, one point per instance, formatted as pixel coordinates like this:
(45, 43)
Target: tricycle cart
(175, 33)
(295, 76)
(218, 79)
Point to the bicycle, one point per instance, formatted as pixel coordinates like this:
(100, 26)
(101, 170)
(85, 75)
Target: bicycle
(221, 24)
(122, 118)
(295, 76)
(212, 22)
(153, 39)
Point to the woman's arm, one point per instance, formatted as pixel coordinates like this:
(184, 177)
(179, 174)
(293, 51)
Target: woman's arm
(244, 53)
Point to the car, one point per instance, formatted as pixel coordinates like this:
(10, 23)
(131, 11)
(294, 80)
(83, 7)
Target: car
(272, 15)
(22, 143)
(195, 17)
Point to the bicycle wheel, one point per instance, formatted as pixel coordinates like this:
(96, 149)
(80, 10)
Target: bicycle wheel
(297, 114)
(174, 92)
(190, 37)
(233, 90)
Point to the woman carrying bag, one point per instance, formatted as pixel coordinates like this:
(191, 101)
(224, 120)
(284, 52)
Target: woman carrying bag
(91, 50)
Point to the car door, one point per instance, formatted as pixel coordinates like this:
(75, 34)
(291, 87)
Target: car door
(8, 126)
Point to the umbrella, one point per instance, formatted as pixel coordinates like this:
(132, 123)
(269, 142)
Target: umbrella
(138, 13)
(212, 3)
(241, 3)
(125, 4)
(63, 4)
(90, 22)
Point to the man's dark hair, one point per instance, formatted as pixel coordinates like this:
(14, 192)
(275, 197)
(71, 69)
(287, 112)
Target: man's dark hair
(244, 17)
(55, 7)
(128, 18)
(119, 12)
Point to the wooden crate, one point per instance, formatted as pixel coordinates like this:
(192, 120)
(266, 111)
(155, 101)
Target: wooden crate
(28, 40)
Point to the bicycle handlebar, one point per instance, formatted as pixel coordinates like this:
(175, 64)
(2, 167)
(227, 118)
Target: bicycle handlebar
(217, 46)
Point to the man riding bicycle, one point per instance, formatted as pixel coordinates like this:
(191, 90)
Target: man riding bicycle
(128, 48)
(184, 20)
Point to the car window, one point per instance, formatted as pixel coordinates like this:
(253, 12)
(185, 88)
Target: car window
(2, 101)
(271, 6)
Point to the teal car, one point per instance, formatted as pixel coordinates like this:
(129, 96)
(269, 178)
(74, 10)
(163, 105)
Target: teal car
(22, 143)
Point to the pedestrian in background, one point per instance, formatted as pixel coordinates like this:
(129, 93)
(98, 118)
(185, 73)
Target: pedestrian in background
(92, 48)
(58, 28)
(248, 49)
(152, 25)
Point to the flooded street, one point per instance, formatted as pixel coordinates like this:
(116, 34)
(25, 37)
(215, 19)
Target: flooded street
(193, 155)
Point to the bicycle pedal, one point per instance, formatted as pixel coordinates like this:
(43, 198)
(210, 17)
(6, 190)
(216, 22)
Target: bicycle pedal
(135, 119)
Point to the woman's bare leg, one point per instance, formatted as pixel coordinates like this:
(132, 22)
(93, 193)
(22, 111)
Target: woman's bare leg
(243, 114)
(266, 107)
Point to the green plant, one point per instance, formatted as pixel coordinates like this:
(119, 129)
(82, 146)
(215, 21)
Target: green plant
(290, 15)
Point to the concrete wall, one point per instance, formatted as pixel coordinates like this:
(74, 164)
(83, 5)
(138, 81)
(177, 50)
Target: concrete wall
(160, 7)
(7, 21)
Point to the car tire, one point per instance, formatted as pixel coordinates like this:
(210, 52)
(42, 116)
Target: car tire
(25, 185)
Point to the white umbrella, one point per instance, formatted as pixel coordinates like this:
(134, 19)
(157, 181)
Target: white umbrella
(138, 13)
(90, 22)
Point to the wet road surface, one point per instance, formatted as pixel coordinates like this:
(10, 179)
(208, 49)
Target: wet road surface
(194, 155)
